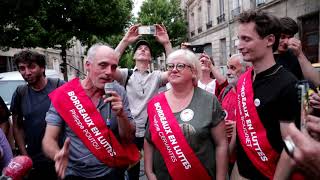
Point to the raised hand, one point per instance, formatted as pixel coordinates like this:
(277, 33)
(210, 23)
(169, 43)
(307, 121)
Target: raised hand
(62, 158)
(295, 45)
(305, 152)
(313, 126)
(315, 100)
(132, 35)
(161, 34)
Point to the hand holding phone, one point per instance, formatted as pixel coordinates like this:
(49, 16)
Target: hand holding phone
(303, 87)
(147, 30)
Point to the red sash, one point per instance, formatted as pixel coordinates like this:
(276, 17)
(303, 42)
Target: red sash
(252, 134)
(181, 161)
(81, 115)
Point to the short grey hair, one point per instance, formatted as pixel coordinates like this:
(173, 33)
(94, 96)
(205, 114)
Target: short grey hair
(243, 63)
(189, 57)
(93, 50)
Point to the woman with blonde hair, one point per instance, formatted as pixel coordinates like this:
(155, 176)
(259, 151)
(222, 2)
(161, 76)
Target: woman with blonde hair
(185, 138)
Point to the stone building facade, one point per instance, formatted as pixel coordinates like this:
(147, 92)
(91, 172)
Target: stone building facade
(75, 57)
(212, 23)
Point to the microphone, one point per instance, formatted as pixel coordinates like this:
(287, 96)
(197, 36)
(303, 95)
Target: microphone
(108, 87)
(18, 167)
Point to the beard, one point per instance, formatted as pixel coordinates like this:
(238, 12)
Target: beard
(33, 79)
(232, 80)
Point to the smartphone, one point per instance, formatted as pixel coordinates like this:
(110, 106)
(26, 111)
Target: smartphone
(196, 48)
(289, 146)
(303, 88)
(151, 30)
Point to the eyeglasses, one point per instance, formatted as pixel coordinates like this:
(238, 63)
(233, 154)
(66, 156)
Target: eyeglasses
(179, 66)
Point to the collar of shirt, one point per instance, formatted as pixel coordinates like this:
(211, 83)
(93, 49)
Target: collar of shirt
(271, 71)
(136, 69)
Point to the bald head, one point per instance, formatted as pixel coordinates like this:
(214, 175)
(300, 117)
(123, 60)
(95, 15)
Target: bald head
(99, 50)
(101, 65)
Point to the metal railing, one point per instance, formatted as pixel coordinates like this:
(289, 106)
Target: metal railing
(221, 18)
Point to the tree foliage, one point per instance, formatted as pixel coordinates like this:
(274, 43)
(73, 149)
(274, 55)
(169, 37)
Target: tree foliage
(46, 23)
(168, 13)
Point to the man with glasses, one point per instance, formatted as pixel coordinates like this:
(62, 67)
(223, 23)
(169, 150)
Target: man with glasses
(142, 84)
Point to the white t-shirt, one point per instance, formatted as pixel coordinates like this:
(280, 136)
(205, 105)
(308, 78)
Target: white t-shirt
(210, 87)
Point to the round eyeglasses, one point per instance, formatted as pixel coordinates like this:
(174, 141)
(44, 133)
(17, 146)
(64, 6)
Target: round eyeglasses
(179, 66)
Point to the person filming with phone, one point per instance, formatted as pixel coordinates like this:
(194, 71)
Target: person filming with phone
(141, 84)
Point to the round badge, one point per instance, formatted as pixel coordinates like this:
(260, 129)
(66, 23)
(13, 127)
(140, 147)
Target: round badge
(257, 102)
(186, 115)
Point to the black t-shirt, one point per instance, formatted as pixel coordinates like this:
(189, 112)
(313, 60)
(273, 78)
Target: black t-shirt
(289, 61)
(275, 88)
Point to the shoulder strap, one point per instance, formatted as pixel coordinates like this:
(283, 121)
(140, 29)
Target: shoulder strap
(55, 81)
(22, 91)
(130, 72)
(226, 90)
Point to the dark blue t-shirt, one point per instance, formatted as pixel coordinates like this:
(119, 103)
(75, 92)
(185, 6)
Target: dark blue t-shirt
(32, 106)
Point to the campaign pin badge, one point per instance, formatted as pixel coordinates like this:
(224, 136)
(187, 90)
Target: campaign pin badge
(257, 102)
(186, 115)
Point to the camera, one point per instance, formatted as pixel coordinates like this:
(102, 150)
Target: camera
(196, 48)
(147, 30)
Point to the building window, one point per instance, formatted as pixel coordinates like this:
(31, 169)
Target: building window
(209, 20)
(192, 33)
(199, 20)
(235, 8)
(310, 36)
(223, 50)
(260, 2)
(192, 26)
(221, 17)
(221, 7)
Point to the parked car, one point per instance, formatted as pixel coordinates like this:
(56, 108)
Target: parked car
(9, 81)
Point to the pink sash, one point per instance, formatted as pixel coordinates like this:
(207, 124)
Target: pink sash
(181, 161)
(250, 130)
(81, 115)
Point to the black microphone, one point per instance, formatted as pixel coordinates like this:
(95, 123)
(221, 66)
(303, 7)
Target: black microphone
(108, 87)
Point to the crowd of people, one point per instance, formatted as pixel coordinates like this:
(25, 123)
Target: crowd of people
(245, 125)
